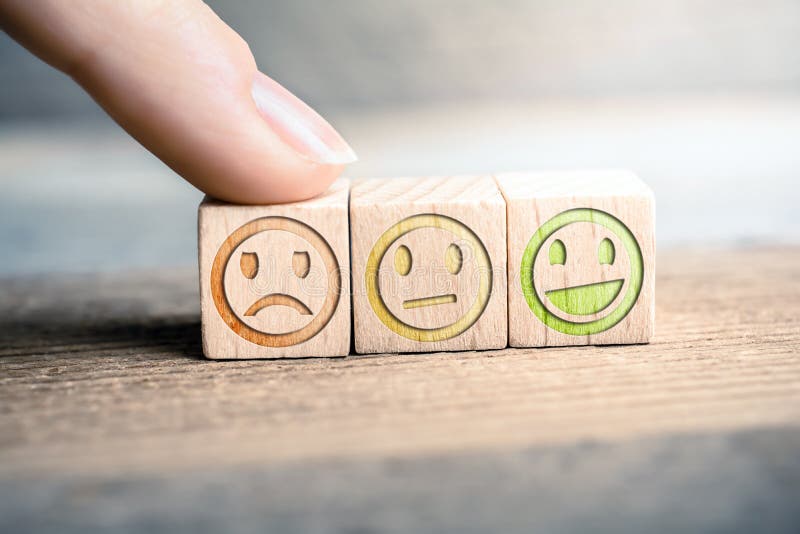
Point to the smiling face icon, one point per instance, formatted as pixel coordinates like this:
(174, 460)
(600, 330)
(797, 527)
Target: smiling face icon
(428, 278)
(275, 282)
(582, 272)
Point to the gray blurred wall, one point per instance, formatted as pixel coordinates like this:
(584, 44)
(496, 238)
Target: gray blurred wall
(700, 97)
(360, 53)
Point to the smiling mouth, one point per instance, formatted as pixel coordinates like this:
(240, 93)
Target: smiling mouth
(586, 299)
(428, 301)
(277, 299)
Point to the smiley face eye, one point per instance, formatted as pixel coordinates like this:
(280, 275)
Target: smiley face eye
(301, 264)
(606, 252)
(402, 260)
(453, 258)
(558, 253)
(248, 263)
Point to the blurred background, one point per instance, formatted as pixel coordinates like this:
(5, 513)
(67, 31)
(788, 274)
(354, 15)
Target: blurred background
(700, 97)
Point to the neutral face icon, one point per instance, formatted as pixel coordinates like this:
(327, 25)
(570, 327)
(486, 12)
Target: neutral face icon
(582, 272)
(276, 282)
(428, 278)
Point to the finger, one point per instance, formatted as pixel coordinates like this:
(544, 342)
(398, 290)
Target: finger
(186, 86)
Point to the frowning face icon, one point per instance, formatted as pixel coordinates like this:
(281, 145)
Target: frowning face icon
(275, 282)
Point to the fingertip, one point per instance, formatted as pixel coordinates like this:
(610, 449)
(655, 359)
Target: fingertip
(187, 87)
(298, 125)
(269, 187)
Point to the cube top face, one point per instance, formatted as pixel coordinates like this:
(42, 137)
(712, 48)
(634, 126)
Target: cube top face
(572, 183)
(581, 258)
(274, 280)
(421, 192)
(429, 264)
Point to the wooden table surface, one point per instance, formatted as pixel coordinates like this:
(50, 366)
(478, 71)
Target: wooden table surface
(111, 419)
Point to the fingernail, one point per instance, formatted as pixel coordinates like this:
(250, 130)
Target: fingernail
(298, 125)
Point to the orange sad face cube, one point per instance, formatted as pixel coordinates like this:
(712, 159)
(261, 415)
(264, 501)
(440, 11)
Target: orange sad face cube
(273, 278)
(276, 282)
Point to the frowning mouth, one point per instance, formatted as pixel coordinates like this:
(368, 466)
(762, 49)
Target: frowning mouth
(278, 299)
(428, 301)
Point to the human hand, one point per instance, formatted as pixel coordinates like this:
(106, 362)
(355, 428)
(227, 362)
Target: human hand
(186, 86)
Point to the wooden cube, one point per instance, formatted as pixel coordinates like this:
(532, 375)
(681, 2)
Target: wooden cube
(429, 264)
(274, 280)
(581, 258)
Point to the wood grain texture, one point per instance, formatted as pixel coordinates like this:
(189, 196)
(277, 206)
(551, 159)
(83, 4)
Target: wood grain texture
(736, 482)
(274, 280)
(104, 374)
(581, 258)
(429, 268)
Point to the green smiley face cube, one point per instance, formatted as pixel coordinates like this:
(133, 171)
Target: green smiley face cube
(581, 258)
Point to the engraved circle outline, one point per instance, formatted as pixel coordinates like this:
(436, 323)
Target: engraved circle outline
(313, 238)
(381, 247)
(565, 218)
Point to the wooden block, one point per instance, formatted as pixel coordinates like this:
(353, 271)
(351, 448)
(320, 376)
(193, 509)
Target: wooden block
(274, 280)
(429, 264)
(581, 258)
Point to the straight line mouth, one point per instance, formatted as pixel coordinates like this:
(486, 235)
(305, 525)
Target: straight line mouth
(429, 301)
(277, 299)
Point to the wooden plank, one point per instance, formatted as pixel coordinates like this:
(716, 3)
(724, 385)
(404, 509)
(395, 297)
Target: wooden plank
(738, 482)
(103, 374)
